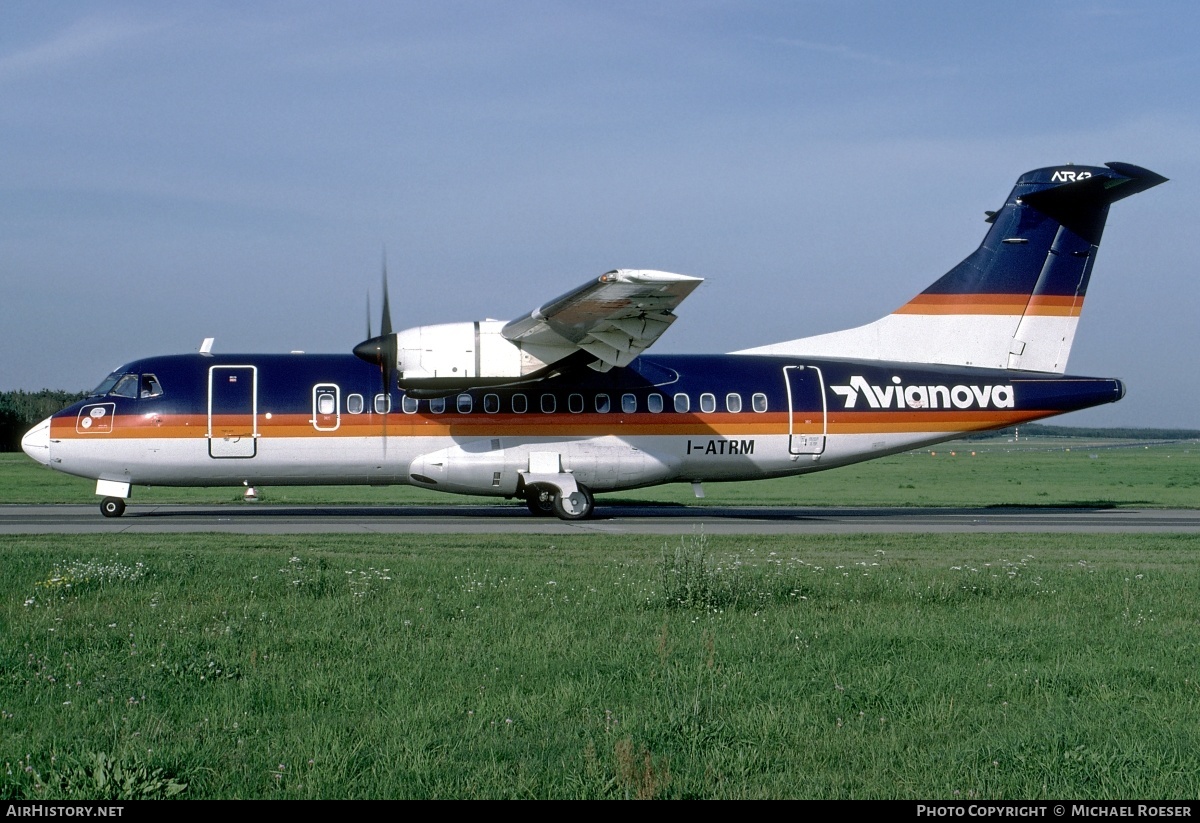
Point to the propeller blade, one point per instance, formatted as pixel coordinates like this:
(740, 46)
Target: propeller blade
(385, 327)
(382, 350)
(384, 372)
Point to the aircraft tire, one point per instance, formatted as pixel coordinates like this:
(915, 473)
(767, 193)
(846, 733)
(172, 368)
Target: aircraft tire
(112, 507)
(541, 500)
(584, 509)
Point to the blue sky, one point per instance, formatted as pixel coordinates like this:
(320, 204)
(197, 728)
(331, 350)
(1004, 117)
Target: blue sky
(175, 171)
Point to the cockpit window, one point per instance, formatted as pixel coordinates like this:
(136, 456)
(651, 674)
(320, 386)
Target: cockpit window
(127, 386)
(150, 386)
(106, 384)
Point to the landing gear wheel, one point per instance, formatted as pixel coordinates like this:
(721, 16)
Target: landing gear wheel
(112, 507)
(577, 505)
(541, 500)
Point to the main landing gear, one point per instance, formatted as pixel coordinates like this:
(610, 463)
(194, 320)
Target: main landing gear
(544, 500)
(112, 507)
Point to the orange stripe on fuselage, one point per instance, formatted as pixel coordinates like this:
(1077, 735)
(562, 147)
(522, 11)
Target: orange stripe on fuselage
(480, 426)
(449, 424)
(903, 421)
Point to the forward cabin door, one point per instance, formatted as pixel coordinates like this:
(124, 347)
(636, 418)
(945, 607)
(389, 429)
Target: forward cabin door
(232, 411)
(807, 413)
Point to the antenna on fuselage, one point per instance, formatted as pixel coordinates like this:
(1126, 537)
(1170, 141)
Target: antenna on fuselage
(206, 346)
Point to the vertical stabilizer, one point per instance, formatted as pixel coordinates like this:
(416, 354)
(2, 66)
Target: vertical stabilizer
(1014, 303)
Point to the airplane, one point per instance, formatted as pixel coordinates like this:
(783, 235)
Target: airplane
(563, 402)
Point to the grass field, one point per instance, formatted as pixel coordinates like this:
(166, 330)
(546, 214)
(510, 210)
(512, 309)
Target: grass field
(967, 666)
(1037, 473)
(875, 666)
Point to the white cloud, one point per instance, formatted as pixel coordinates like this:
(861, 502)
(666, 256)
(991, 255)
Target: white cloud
(79, 42)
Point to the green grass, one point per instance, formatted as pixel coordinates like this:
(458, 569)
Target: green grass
(887, 666)
(902, 666)
(1036, 473)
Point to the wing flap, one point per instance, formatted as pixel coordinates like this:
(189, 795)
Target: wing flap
(614, 318)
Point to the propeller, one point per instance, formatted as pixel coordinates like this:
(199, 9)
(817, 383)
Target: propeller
(381, 349)
(385, 323)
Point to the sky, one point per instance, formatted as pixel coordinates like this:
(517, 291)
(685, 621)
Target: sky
(171, 171)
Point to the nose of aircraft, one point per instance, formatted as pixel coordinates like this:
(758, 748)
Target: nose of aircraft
(36, 442)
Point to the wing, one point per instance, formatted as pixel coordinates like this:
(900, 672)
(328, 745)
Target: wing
(614, 318)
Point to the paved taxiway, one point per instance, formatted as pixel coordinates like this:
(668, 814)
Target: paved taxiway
(253, 518)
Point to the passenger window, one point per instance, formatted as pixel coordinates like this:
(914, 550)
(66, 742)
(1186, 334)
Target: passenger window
(759, 402)
(548, 404)
(127, 386)
(575, 403)
(409, 405)
(437, 405)
(654, 403)
(491, 403)
(603, 404)
(354, 403)
(150, 386)
(733, 402)
(465, 403)
(708, 403)
(325, 403)
(383, 403)
(682, 403)
(628, 403)
(520, 404)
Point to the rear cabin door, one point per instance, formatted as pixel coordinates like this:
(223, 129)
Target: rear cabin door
(807, 419)
(232, 411)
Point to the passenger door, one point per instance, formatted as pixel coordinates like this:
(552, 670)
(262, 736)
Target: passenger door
(807, 413)
(232, 411)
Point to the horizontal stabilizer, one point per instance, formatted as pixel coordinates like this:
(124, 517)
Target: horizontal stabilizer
(1082, 206)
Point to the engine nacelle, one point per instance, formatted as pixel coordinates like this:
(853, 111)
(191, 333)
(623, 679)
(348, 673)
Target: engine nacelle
(452, 352)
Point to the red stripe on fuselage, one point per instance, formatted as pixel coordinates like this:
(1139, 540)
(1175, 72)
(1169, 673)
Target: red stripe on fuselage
(534, 425)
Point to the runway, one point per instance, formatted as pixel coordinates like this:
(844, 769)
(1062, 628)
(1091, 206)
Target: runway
(252, 518)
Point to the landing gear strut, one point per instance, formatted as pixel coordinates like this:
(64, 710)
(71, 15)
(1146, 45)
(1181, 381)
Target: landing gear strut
(112, 507)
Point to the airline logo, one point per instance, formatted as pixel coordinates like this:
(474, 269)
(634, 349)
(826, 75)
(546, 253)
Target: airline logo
(1062, 176)
(96, 418)
(900, 396)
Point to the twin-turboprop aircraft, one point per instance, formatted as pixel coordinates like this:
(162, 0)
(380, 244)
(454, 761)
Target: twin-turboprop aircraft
(563, 402)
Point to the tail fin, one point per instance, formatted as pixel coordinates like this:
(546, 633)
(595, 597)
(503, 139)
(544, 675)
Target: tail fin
(1015, 302)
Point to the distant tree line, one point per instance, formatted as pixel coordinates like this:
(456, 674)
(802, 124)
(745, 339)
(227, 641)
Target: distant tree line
(22, 410)
(1041, 430)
